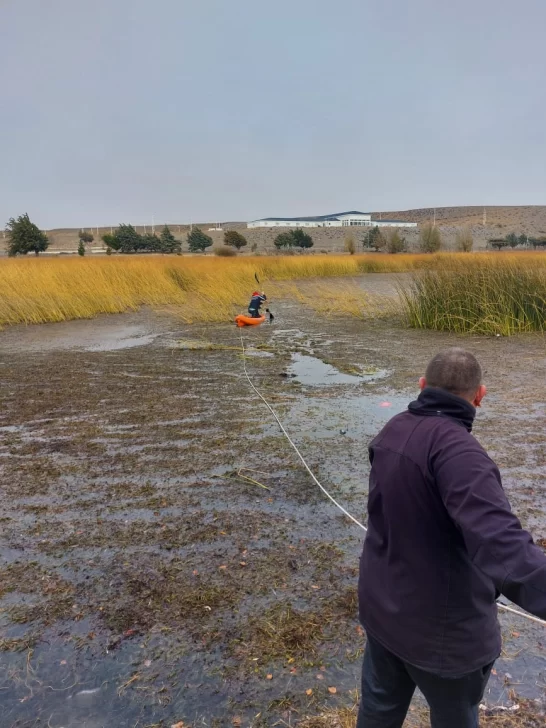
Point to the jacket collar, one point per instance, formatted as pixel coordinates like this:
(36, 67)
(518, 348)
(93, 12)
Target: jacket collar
(434, 402)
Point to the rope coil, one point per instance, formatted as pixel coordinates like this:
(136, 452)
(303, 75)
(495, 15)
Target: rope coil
(323, 489)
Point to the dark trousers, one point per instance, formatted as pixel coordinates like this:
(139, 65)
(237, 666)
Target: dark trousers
(388, 685)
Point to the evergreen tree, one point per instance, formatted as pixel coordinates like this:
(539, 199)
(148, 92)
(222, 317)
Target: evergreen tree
(127, 239)
(81, 248)
(110, 240)
(149, 243)
(283, 240)
(169, 244)
(234, 239)
(293, 239)
(301, 239)
(25, 237)
(198, 241)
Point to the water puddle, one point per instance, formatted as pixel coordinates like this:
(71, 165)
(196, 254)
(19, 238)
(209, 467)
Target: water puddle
(313, 372)
(115, 340)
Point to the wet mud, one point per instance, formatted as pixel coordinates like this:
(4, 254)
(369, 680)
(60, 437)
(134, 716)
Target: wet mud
(166, 558)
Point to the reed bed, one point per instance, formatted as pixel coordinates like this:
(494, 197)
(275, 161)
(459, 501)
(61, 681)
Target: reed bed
(210, 289)
(485, 299)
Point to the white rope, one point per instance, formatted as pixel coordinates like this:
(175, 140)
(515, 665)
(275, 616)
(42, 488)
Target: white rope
(323, 489)
(270, 408)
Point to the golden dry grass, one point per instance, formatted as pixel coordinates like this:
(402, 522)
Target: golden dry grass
(203, 289)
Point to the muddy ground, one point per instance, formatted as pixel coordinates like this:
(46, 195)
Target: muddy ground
(166, 558)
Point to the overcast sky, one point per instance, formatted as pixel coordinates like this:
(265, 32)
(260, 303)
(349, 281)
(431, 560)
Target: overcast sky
(116, 110)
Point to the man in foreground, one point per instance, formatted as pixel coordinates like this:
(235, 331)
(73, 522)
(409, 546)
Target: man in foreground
(442, 545)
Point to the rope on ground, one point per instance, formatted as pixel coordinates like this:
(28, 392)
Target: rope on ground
(323, 489)
(270, 408)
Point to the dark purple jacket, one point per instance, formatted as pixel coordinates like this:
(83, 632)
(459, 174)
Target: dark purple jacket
(442, 542)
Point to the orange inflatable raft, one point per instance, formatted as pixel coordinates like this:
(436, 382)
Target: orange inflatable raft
(241, 320)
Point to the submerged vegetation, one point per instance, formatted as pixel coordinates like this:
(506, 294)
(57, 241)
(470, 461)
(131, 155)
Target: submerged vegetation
(481, 292)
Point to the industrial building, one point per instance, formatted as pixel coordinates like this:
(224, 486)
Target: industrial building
(352, 218)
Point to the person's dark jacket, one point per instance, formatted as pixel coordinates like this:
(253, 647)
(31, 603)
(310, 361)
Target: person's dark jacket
(442, 542)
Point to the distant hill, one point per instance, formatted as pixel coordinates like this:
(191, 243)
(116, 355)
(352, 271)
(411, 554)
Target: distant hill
(527, 219)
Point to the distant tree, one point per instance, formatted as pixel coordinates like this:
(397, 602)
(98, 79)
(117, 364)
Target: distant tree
(109, 239)
(374, 239)
(498, 243)
(150, 243)
(293, 239)
(108, 250)
(301, 239)
(25, 237)
(512, 240)
(254, 247)
(464, 240)
(430, 240)
(522, 240)
(81, 248)
(395, 242)
(349, 244)
(86, 237)
(283, 240)
(198, 241)
(127, 240)
(169, 244)
(234, 239)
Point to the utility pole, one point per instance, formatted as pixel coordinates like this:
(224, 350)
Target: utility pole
(153, 225)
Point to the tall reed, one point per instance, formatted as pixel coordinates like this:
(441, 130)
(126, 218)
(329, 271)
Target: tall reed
(486, 299)
(213, 288)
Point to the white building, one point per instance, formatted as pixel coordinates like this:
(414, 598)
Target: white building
(353, 218)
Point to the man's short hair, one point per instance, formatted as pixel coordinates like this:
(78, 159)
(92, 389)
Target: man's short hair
(455, 370)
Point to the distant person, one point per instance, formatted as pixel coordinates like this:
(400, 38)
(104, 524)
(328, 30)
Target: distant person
(442, 545)
(255, 304)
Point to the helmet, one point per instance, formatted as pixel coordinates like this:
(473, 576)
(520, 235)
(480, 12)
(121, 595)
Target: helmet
(256, 293)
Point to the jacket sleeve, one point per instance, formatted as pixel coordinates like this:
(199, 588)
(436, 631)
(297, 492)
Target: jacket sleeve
(470, 486)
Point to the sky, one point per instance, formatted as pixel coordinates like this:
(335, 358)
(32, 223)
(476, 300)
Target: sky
(220, 110)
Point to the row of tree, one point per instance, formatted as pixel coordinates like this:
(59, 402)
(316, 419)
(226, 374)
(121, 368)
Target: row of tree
(126, 239)
(513, 241)
(25, 237)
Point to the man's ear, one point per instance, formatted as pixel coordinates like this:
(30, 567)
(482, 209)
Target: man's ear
(422, 383)
(480, 394)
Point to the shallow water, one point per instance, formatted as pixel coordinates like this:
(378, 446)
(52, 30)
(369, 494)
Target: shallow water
(313, 372)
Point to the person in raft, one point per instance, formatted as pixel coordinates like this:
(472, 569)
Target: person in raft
(442, 545)
(255, 303)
